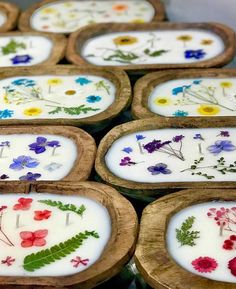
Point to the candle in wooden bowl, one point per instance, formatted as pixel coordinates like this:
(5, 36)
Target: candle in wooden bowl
(63, 95)
(8, 16)
(181, 93)
(68, 16)
(37, 153)
(139, 48)
(55, 235)
(25, 49)
(187, 240)
(151, 157)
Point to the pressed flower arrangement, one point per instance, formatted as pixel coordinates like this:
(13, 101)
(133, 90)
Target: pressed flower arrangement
(149, 157)
(63, 236)
(8, 16)
(142, 47)
(68, 16)
(190, 236)
(186, 93)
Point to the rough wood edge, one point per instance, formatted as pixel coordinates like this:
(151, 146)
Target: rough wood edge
(145, 85)
(151, 189)
(117, 252)
(12, 13)
(227, 35)
(151, 256)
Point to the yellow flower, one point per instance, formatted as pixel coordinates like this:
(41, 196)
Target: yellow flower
(138, 20)
(185, 38)
(162, 101)
(226, 84)
(48, 10)
(32, 111)
(70, 92)
(208, 110)
(125, 40)
(206, 42)
(54, 81)
(5, 99)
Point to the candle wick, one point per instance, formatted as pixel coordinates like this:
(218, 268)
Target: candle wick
(221, 228)
(17, 221)
(200, 148)
(140, 148)
(67, 219)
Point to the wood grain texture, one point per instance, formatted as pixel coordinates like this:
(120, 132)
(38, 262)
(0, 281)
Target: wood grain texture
(78, 39)
(117, 252)
(24, 21)
(12, 13)
(118, 77)
(59, 43)
(145, 85)
(155, 189)
(85, 144)
(151, 256)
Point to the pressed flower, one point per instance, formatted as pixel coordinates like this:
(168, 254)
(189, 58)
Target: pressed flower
(70, 92)
(197, 81)
(197, 54)
(180, 113)
(23, 162)
(6, 113)
(78, 260)
(127, 150)
(204, 264)
(41, 143)
(126, 161)
(221, 145)
(226, 84)
(30, 239)
(232, 266)
(159, 169)
(224, 133)
(42, 215)
(177, 138)
(23, 204)
(198, 136)
(93, 98)
(162, 101)
(180, 89)
(125, 40)
(54, 81)
(120, 7)
(208, 110)
(2, 208)
(207, 42)
(24, 82)
(8, 261)
(32, 111)
(18, 59)
(4, 177)
(139, 137)
(83, 81)
(185, 38)
(30, 177)
(5, 144)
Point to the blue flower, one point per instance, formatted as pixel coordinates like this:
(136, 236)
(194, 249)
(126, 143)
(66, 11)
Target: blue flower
(5, 144)
(180, 89)
(23, 162)
(24, 81)
(83, 81)
(198, 136)
(197, 54)
(180, 113)
(159, 169)
(127, 150)
(4, 177)
(21, 59)
(6, 113)
(221, 145)
(93, 98)
(41, 143)
(139, 137)
(30, 177)
(197, 81)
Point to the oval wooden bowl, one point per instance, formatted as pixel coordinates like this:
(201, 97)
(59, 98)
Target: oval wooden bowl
(149, 191)
(85, 144)
(24, 21)
(12, 12)
(145, 85)
(118, 250)
(78, 38)
(151, 256)
(118, 77)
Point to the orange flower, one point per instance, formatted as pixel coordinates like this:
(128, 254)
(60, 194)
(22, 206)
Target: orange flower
(120, 7)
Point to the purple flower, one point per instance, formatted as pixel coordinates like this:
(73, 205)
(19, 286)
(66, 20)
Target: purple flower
(4, 177)
(197, 54)
(221, 145)
(5, 144)
(21, 59)
(159, 169)
(30, 177)
(41, 143)
(127, 150)
(178, 138)
(155, 145)
(126, 161)
(198, 136)
(224, 133)
(23, 162)
(139, 137)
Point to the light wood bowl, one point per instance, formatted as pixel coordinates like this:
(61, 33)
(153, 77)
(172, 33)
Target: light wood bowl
(12, 13)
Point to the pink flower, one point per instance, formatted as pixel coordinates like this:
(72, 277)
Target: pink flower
(78, 260)
(33, 238)
(204, 264)
(8, 261)
(3, 208)
(23, 204)
(232, 266)
(42, 215)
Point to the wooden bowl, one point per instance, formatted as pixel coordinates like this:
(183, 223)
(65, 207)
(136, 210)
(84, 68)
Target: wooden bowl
(143, 174)
(26, 16)
(80, 145)
(188, 58)
(20, 53)
(85, 88)
(117, 251)
(145, 93)
(152, 256)
(11, 12)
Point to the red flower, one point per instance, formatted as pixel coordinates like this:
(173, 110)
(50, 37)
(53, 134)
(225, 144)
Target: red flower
(3, 208)
(78, 260)
(232, 266)
(229, 244)
(42, 215)
(33, 238)
(8, 261)
(23, 204)
(204, 264)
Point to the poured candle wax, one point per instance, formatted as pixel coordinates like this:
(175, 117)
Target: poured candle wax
(210, 251)
(24, 50)
(3, 18)
(33, 223)
(194, 97)
(53, 96)
(152, 47)
(66, 17)
(174, 155)
(36, 157)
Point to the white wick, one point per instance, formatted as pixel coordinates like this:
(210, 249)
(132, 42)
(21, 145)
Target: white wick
(67, 219)
(17, 221)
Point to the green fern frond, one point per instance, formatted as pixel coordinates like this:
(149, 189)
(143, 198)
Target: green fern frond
(64, 207)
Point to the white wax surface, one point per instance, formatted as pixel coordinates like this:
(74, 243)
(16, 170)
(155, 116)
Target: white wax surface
(50, 167)
(139, 172)
(3, 18)
(31, 51)
(210, 97)
(95, 218)
(49, 96)
(66, 17)
(208, 245)
(103, 49)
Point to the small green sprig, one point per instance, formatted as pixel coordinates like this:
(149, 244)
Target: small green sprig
(184, 235)
(72, 110)
(12, 47)
(100, 85)
(64, 207)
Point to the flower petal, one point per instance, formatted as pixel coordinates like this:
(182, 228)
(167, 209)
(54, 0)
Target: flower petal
(40, 233)
(27, 243)
(25, 235)
(39, 242)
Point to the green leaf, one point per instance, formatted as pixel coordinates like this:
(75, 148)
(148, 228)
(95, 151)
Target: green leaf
(56, 110)
(12, 47)
(184, 235)
(42, 258)
(64, 207)
(155, 53)
(74, 110)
